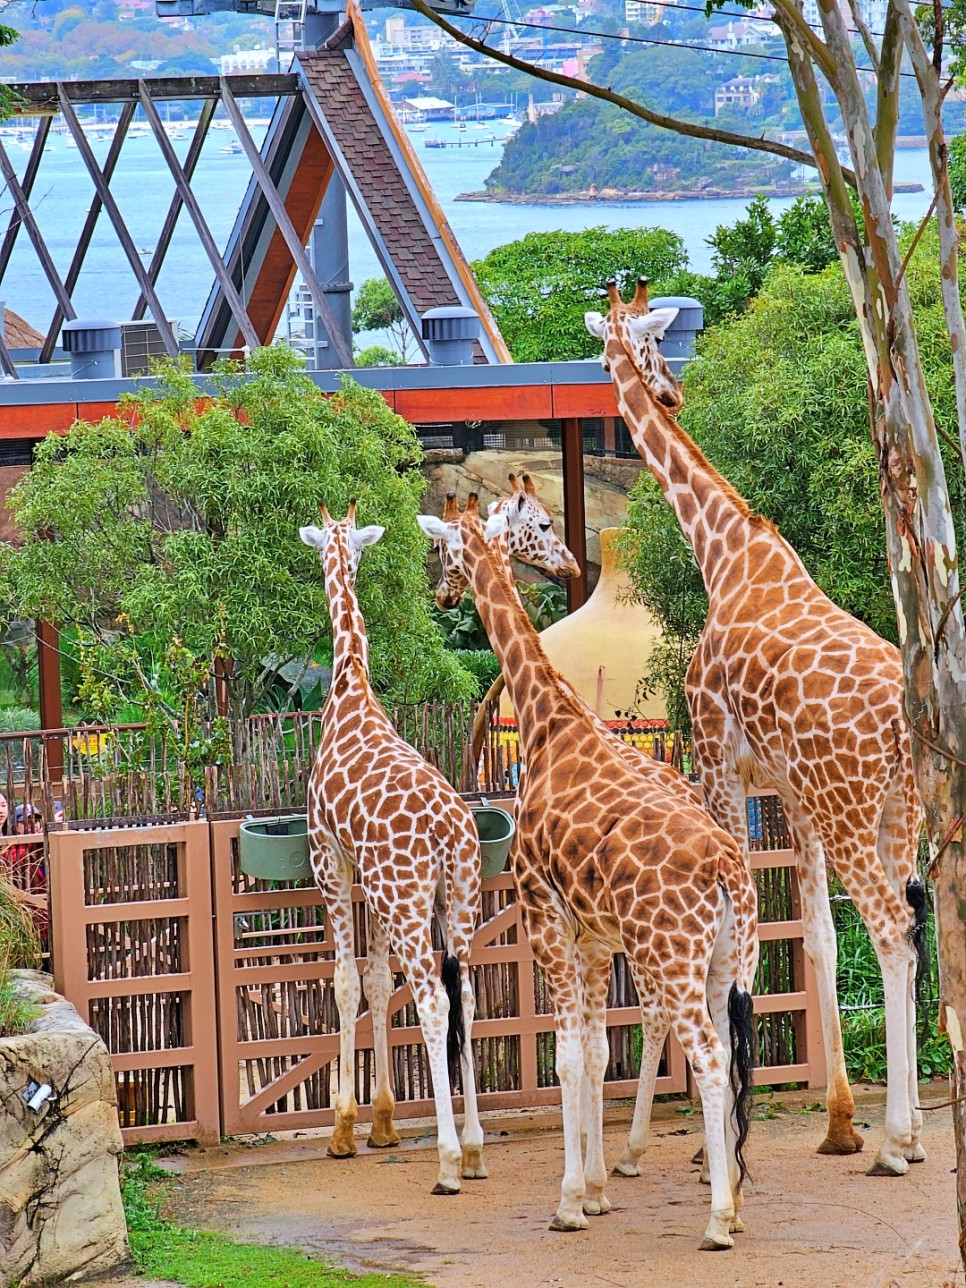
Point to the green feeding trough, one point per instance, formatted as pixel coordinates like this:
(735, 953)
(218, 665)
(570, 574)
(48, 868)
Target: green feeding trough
(496, 828)
(275, 849)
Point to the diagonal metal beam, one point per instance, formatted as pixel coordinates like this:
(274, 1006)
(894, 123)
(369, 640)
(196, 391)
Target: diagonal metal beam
(33, 232)
(323, 310)
(29, 175)
(87, 232)
(168, 337)
(190, 201)
(174, 210)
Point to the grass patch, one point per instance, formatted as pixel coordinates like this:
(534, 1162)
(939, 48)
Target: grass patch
(201, 1259)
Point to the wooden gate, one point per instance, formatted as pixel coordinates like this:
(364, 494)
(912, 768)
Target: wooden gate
(278, 1023)
(131, 945)
(214, 993)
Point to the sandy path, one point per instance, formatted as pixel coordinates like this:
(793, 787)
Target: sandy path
(812, 1222)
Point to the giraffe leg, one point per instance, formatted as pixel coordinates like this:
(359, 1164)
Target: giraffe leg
(338, 908)
(432, 1005)
(378, 987)
(654, 1029)
(556, 956)
(721, 975)
(473, 1168)
(595, 969)
(818, 939)
(896, 844)
(700, 1042)
(888, 918)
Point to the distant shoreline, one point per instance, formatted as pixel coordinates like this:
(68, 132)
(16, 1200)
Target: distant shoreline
(687, 194)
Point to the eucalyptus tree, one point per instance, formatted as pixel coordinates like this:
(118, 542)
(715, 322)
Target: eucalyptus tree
(829, 84)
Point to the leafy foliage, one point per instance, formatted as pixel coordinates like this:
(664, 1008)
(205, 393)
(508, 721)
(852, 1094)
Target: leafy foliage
(377, 309)
(167, 538)
(777, 401)
(19, 947)
(540, 286)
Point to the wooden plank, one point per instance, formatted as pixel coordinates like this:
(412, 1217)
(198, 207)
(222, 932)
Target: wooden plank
(504, 402)
(190, 202)
(174, 209)
(584, 400)
(42, 98)
(168, 338)
(29, 175)
(323, 310)
(87, 232)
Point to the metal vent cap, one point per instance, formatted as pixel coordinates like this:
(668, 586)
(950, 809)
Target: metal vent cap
(91, 336)
(450, 323)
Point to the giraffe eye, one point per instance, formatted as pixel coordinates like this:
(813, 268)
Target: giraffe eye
(545, 527)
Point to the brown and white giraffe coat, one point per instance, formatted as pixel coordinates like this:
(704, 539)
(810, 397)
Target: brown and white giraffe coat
(788, 691)
(380, 815)
(606, 859)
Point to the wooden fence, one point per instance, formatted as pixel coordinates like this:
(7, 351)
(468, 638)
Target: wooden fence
(238, 1031)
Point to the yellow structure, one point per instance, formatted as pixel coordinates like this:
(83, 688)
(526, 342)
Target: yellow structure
(602, 648)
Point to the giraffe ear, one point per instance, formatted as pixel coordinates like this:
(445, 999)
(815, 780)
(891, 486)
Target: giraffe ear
(654, 323)
(594, 322)
(495, 525)
(435, 529)
(314, 537)
(362, 537)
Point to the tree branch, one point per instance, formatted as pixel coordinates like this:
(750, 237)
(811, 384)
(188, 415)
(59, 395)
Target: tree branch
(797, 28)
(887, 97)
(866, 34)
(932, 104)
(689, 128)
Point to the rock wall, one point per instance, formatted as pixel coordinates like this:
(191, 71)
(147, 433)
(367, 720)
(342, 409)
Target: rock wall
(60, 1198)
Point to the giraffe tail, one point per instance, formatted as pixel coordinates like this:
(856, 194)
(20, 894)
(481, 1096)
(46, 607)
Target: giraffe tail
(741, 1021)
(740, 886)
(455, 1033)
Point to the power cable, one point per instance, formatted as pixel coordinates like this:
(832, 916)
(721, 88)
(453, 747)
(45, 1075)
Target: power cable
(647, 40)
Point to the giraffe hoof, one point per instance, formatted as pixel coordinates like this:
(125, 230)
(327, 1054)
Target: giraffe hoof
(627, 1168)
(915, 1154)
(383, 1141)
(697, 1159)
(715, 1245)
(339, 1151)
(737, 1226)
(596, 1207)
(440, 1188)
(565, 1227)
(851, 1144)
(888, 1167)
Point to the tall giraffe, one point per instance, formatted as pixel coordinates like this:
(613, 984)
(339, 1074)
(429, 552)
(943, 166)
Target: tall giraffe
(606, 859)
(788, 691)
(380, 815)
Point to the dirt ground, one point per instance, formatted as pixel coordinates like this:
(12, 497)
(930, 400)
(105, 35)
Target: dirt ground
(812, 1222)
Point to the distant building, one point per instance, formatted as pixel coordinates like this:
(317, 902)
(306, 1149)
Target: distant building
(247, 62)
(737, 95)
(646, 12)
(431, 109)
(740, 34)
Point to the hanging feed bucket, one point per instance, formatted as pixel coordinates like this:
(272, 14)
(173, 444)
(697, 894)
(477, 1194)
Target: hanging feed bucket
(275, 849)
(496, 828)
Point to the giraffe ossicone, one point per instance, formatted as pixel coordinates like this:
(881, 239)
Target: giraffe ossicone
(380, 815)
(787, 691)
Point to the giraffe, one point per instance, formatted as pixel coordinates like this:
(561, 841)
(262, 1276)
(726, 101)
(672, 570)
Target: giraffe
(606, 859)
(788, 691)
(380, 815)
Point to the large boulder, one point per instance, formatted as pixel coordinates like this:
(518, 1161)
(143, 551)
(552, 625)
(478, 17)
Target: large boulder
(60, 1200)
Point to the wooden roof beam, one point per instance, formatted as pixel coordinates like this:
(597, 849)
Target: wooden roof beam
(41, 98)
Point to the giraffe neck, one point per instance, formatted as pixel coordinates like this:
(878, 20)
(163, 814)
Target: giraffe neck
(715, 520)
(529, 677)
(350, 644)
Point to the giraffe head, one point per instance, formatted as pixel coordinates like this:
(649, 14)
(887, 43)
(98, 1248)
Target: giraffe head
(632, 331)
(519, 518)
(340, 543)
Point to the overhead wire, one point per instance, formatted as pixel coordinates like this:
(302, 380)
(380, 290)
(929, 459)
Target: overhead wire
(646, 40)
